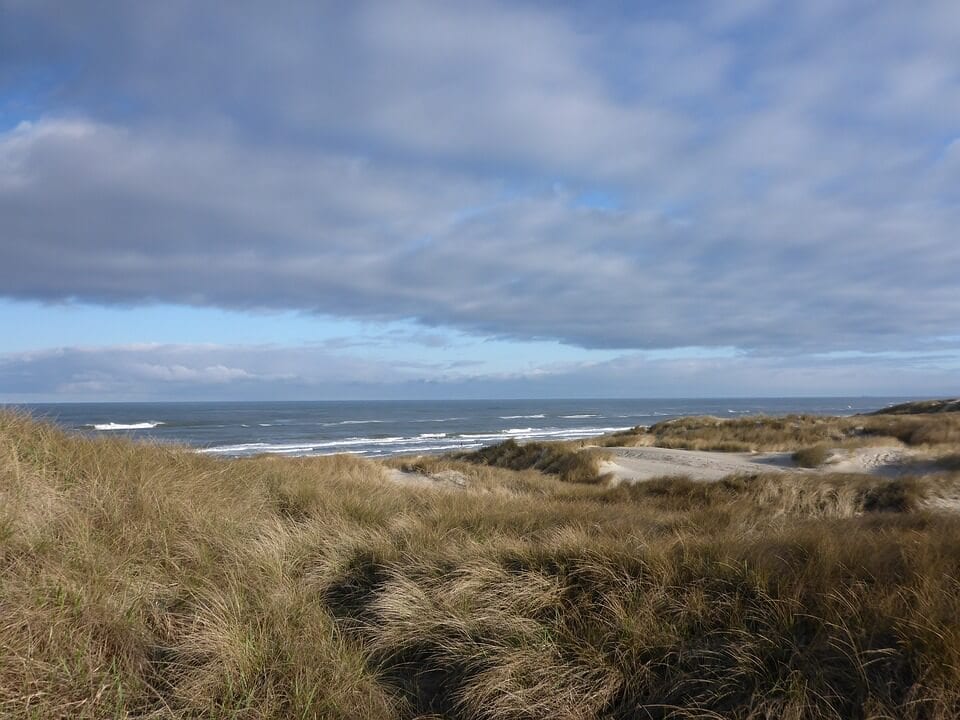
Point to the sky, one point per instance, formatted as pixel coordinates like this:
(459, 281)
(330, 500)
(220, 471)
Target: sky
(373, 200)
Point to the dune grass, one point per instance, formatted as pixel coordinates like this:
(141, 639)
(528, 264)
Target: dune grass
(922, 407)
(811, 457)
(939, 431)
(152, 582)
(567, 460)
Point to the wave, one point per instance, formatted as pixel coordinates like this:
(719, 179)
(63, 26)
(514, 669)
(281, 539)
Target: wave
(259, 447)
(578, 417)
(126, 426)
(535, 433)
(419, 449)
(518, 417)
(425, 442)
(386, 446)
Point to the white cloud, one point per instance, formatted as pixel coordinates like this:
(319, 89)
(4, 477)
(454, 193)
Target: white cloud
(181, 373)
(185, 372)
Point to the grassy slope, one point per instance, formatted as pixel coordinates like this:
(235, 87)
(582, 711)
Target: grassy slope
(567, 460)
(149, 582)
(795, 432)
(919, 407)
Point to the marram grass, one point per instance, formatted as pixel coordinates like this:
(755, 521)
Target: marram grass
(795, 432)
(148, 582)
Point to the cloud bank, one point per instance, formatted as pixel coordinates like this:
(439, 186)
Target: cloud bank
(783, 178)
(215, 372)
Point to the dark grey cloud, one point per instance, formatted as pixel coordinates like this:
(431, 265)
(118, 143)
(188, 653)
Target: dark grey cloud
(782, 178)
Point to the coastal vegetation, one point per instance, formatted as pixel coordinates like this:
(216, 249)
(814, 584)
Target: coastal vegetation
(793, 432)
(569, 461)
(811, 457)
(146, 581)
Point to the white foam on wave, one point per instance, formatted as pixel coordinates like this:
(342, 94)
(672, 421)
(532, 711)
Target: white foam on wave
(127, 426)
(386, 453)
(262, 447)
(578, 417)
(249, 448)
(535, 433)
(353, 446)
(524, 417)
(425, 442)
(449, 446)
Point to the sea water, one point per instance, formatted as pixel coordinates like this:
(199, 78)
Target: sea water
(380, 429)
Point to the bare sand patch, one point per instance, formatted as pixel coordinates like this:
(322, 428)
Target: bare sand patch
(636, 464)
(445, 478)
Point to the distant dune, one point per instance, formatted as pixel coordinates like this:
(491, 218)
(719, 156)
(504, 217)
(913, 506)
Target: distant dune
(921, 407)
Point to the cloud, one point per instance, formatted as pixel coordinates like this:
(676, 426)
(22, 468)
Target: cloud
(183, 372)
(784, 174)
(215, 374)
(220, 372)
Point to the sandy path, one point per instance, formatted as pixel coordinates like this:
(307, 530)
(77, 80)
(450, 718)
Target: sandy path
(632, 464)
(887, 461)
(450, 479)
(645, 463)
(636, 464)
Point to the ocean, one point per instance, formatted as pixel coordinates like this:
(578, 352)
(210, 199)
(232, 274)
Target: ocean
(381, 429)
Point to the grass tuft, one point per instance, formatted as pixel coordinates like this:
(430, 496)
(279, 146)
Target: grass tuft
(566, 460)
(811, 457)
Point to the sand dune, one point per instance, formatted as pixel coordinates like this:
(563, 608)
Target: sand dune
(634, 464)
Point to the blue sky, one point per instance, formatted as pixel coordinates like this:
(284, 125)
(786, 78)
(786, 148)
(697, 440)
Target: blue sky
(485, 199)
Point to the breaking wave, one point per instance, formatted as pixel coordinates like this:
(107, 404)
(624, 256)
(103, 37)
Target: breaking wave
(396, 445)
(126, 426)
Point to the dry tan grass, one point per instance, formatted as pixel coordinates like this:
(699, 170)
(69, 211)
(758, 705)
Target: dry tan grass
(151, 582)
(811, 457)
(795, 432)
(570, 461)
